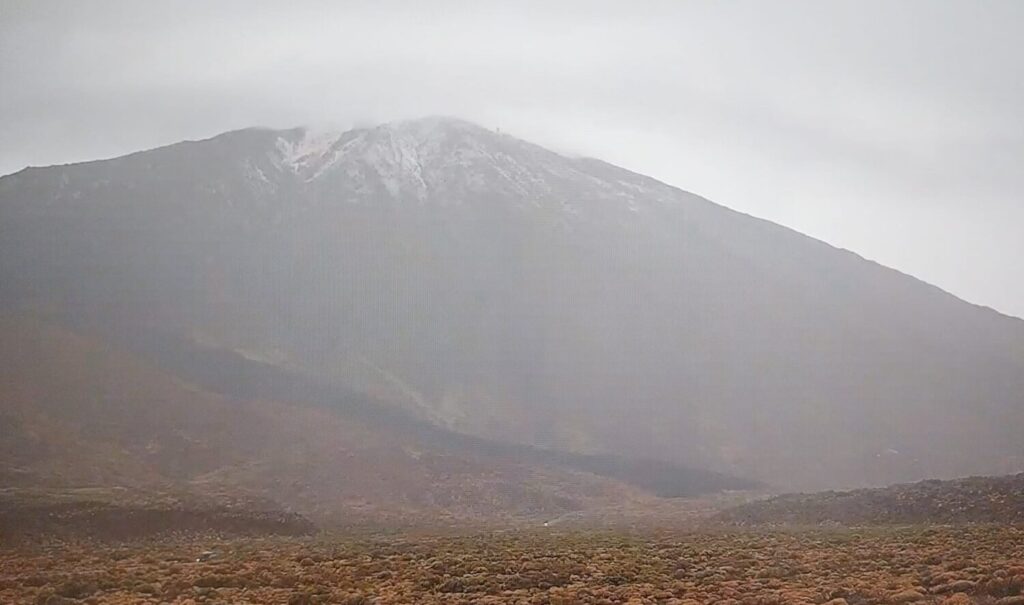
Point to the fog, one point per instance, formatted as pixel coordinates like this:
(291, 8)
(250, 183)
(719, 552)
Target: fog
(891, 129)
(535, 302)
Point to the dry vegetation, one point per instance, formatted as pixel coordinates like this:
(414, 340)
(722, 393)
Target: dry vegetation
(955, 565)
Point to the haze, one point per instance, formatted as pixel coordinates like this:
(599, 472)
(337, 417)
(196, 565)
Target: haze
(521, 302)
(891, 129)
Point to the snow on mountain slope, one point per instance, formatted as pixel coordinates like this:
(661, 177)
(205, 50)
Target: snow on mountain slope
(448, 161)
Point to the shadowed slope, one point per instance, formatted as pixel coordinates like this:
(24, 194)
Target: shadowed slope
(79, 412)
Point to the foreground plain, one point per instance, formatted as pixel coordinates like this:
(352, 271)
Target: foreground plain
(938, 564)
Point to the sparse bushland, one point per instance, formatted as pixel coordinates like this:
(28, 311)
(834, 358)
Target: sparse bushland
(981, 564)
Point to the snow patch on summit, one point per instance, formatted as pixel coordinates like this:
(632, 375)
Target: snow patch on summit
(448, 162)
(308, 151)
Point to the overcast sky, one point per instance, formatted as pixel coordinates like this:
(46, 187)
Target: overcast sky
(892, 128)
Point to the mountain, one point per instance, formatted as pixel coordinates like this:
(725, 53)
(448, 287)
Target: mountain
(494, 288)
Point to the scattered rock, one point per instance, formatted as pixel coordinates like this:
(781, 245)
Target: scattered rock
(206, 555)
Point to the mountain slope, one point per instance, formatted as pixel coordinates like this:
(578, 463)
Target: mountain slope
(491, 286)
(78, 412)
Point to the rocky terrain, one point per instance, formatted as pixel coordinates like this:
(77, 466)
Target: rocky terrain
(941, 565)
(968, 500)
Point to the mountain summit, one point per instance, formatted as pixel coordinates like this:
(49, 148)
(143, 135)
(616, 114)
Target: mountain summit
(495, 288)
(446, 161)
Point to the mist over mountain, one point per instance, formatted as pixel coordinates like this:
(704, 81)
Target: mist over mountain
(488, 286)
